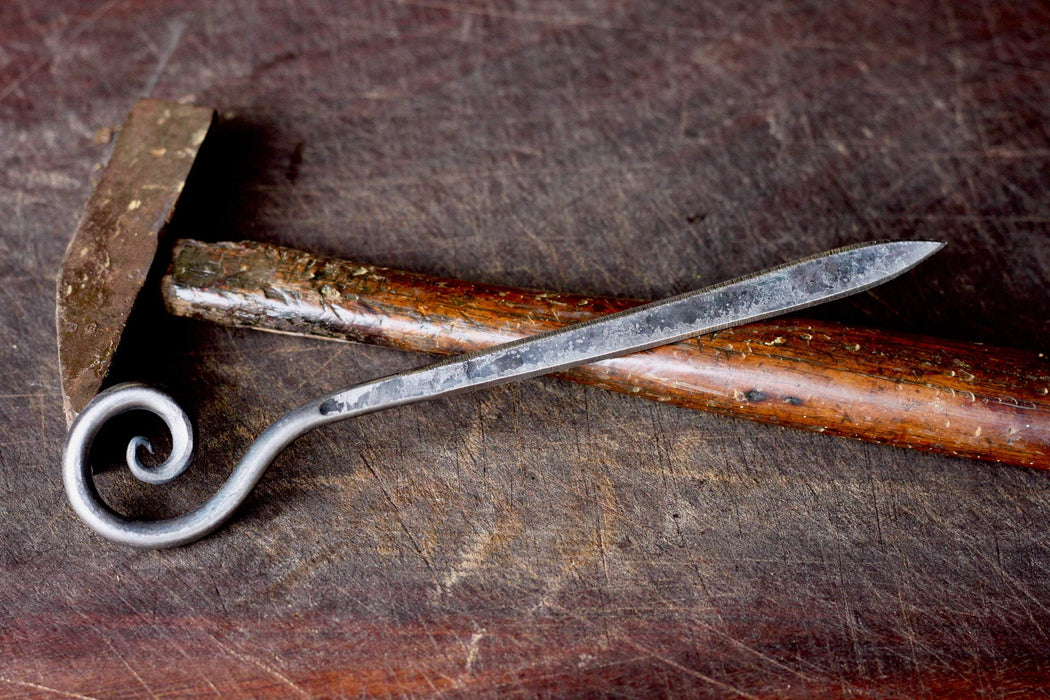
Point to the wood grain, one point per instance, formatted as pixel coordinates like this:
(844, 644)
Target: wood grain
(543, 538)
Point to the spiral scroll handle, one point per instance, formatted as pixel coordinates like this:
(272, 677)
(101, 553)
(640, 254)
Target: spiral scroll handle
(172, 532)
(84, 497)
(497, 365)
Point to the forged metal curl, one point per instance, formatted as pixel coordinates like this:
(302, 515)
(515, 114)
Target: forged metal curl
(833, 275)
(84, 497)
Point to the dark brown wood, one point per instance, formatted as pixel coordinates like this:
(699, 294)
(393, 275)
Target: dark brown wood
(962, 399)
(543, 538)
(114, 247)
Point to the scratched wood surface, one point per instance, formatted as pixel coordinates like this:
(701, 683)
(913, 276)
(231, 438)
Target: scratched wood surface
(541, 538)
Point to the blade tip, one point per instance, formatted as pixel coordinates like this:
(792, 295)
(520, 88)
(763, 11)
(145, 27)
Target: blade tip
(911, 253)
(933, 246)
(924, 249)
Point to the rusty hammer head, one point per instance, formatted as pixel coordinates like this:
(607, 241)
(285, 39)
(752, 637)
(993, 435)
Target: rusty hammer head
(110, 256)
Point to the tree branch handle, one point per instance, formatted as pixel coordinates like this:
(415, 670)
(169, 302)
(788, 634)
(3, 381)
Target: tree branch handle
(911, 391)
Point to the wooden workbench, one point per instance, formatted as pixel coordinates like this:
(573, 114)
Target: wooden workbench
(542, 538)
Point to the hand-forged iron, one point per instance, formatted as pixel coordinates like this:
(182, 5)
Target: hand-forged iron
(783, 289)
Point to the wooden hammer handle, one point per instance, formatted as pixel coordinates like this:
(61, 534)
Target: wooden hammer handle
(906, 390)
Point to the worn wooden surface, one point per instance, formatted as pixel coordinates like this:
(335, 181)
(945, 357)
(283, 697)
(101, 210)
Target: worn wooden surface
(540, 538)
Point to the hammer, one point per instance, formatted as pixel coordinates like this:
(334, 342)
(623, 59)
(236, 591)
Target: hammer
(955, 398)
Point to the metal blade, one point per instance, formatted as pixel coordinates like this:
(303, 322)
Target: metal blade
(787, 288)
(832, 275)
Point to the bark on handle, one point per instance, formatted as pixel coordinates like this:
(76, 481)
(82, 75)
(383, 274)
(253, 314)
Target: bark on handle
(911, 391)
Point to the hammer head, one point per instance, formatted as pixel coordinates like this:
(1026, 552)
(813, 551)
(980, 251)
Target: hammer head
(113, 249)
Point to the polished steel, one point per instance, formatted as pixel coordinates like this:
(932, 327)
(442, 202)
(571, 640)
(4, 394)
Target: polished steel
(783, 289)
